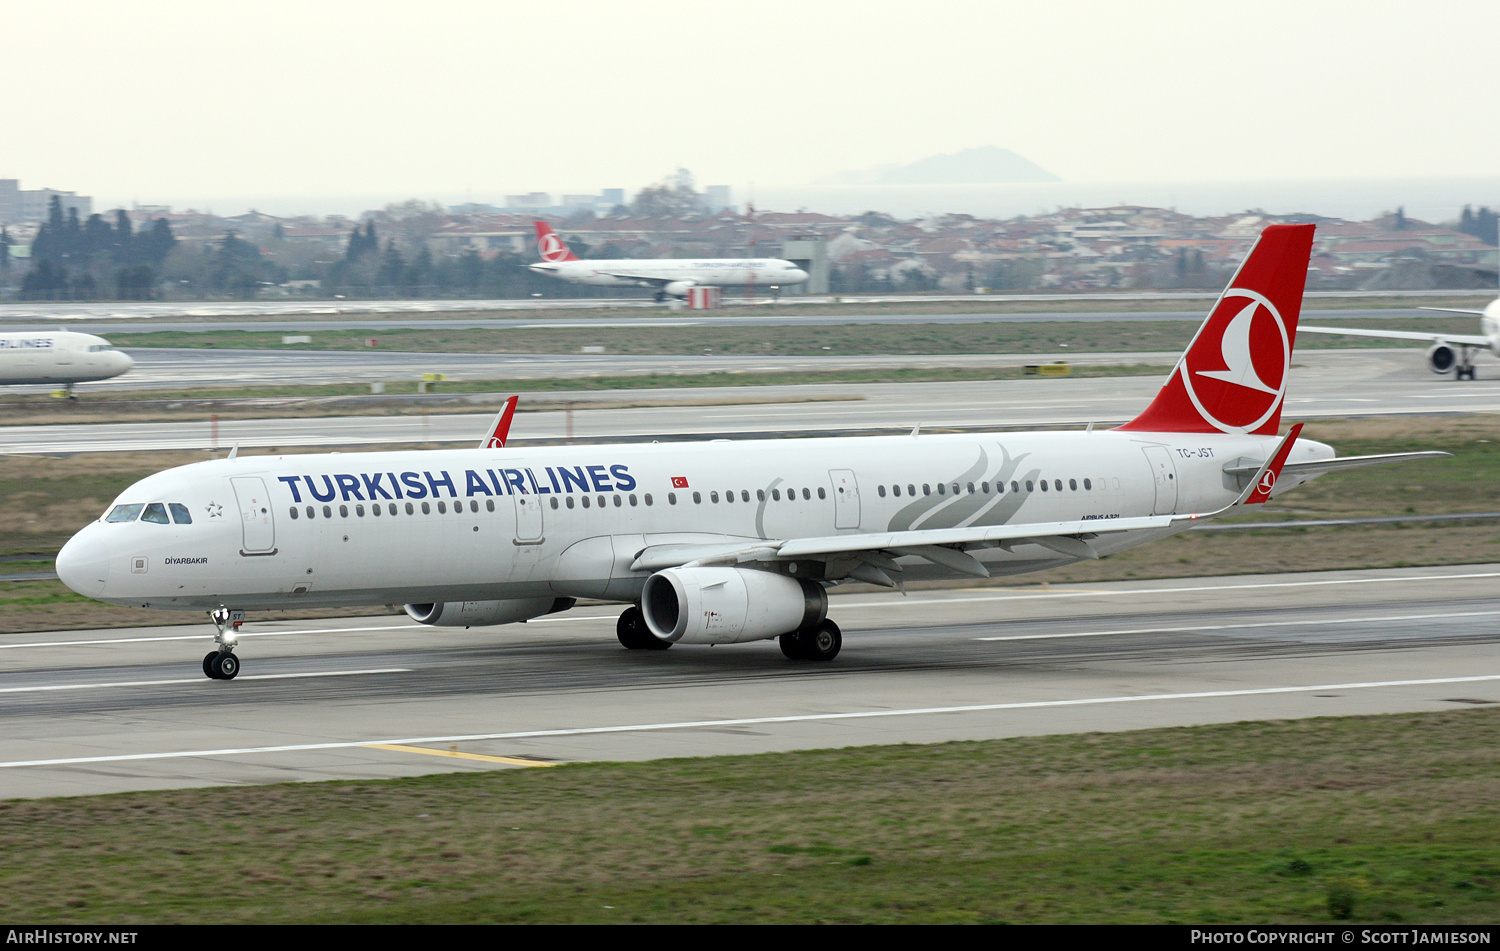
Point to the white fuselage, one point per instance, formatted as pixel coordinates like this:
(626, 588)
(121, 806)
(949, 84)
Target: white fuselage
(736, 272)
(567, 521)
(58, 357)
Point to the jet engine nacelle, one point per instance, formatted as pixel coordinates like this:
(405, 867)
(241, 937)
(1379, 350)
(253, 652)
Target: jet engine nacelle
(1442, 357)
(679, 288)
(482, 613)
(728, 605)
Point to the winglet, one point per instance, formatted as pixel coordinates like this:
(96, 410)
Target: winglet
(1259, 490)
(500, 431)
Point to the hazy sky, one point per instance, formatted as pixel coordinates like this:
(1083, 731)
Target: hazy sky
(174, 101)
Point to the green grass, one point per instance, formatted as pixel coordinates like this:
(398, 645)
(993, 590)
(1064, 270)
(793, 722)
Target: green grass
(1250, 822)
(785, 340)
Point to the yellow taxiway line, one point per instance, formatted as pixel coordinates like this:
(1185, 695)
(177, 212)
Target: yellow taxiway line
(455, 754)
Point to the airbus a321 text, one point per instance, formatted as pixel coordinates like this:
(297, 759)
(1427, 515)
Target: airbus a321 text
(671, 277)
(718, 542)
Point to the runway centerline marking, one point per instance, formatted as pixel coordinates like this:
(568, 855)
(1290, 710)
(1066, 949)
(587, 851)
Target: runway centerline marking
(201, 680)
(455, 754)
(1240, 627)
(745, 721)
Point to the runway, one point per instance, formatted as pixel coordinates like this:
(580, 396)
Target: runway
(101, 711)
(1325, 383)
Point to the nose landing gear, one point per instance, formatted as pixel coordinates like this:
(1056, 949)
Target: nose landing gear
(221, 664)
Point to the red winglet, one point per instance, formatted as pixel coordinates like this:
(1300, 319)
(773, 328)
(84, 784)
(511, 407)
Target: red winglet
(1272, 470)
(550, 246)
(501, 430)
(1233, 376)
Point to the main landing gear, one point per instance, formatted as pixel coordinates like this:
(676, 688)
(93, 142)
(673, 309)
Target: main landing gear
(634, 635)
(221, 664)
(819, 642)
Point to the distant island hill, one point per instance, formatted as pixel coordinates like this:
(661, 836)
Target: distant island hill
(982, 166)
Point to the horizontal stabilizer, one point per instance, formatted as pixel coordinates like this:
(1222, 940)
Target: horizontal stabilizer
(1320, 466)
(1471, 340)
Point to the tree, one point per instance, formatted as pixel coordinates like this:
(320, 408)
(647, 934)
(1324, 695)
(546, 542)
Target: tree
(159, 242)
(667, 201)
(5, 242)
(1484, 225)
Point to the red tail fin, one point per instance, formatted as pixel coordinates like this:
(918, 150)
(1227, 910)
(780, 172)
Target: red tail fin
(1232, 378)
(550, 246)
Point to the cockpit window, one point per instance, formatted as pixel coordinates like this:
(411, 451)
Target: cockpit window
(156, 512)
(180, 513)
(124, 513)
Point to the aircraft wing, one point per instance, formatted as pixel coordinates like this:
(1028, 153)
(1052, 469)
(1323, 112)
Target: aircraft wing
(1472, 340)
(945, 546)
(646, 278)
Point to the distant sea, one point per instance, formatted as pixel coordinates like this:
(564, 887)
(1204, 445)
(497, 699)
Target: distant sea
(1428, 199)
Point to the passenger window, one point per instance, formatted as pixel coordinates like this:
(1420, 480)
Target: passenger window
(821, 493)
(343, 511)
(409, 509)
(180, 513)
(310, 511)
(633, 502)
(697, 499)
(806, 494)
(760, 495)
(671, 498)
(585, 500)
(442, 508)
(426, 509)
(1016, 486)
(647, 497)
(713, 496)
(601, 501)
(359, 510)
(926, 488)
(971, 488)
(1087, 485)
(156, 512)
(744, 495)
(911, 490)
(553, 500)
(294, 512)
(880, 491)
(474, 504)
(729, 496)
(489, 506)
(1073, 484)
(569, 501)
(1030, 486)
(1044, 485)
(942, 489)
(775, 495)
(1057, 484)
(617, 501)
(896, 491)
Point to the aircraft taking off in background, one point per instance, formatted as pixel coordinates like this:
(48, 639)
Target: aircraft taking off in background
(1448, 352)
(671, 277)
(717, 542)
(58, 358)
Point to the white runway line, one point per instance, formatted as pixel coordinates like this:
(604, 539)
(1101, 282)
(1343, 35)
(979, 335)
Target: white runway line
(200, 680)
(745, 721)
(1243, 627)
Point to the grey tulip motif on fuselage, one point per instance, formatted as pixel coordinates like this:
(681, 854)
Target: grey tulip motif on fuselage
(965, 508)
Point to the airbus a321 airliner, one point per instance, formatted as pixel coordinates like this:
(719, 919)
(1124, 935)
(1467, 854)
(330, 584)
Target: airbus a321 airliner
(672, 277)
(720, 542)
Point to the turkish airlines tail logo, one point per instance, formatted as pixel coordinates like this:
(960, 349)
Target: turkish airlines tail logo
(1232, 378)
(551, 247)
(500, 430)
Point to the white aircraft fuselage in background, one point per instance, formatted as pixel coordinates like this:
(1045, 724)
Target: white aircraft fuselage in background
(669, 276)
(58, 358)
(1446, 353)
(717, 542)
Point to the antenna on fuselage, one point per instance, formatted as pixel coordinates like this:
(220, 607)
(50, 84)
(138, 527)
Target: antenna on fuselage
(915, 430)
(234, 451)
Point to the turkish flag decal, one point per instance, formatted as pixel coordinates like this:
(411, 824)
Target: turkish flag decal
(679, 482)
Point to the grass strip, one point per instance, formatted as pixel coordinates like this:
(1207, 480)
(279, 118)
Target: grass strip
(1380, 819)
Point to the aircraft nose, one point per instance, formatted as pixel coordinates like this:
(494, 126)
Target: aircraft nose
(83, 564)
(126, 361)
(797, 276)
